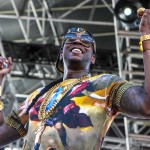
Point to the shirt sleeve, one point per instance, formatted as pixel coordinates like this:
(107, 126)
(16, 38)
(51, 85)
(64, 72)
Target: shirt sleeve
(114, 88)
(117, 93)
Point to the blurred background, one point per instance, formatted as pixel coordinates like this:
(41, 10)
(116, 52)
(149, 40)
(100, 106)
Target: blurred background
(31, 32)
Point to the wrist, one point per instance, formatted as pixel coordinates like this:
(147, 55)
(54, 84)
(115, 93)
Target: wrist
(13, 121)
(144, 43)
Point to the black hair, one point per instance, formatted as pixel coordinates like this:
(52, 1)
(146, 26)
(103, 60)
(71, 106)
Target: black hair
(43, 91)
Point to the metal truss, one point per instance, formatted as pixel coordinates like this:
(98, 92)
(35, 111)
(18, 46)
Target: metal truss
(31, 73)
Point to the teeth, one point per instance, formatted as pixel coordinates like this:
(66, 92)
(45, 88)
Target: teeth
(76, 49)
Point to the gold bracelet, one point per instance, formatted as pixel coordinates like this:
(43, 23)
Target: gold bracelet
(141, 46)
(143, 38)
(13, 122)
(1, 105)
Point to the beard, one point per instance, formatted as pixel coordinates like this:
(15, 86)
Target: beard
(77, 64)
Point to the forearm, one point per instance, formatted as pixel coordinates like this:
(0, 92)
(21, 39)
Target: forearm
(144, 29)
(146, 59)
(7, 135)
(8, 130)
(11, 129)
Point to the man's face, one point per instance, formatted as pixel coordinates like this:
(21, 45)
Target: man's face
(78, 48)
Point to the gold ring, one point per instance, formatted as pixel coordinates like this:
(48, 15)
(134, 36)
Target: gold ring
(140, 11)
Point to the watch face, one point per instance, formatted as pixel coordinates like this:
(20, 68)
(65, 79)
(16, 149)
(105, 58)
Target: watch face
(1, 105)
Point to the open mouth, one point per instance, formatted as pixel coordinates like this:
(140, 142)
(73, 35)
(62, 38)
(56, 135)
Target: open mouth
(76, 50)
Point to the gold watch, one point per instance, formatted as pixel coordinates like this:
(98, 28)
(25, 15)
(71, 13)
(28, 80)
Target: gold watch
(1, 105)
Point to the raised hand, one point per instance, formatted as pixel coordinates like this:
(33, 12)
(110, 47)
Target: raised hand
(144, 16)
(5, 66)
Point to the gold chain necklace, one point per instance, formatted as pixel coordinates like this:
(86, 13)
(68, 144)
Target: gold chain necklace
(43, 114)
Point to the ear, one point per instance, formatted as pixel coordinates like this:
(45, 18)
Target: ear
(93, 58)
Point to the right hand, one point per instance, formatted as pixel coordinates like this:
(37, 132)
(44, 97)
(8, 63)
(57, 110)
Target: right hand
(144, 26)
(5, 66)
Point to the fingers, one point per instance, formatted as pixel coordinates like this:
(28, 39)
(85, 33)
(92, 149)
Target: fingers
(140, 12)
(144, 16)
(5, 65)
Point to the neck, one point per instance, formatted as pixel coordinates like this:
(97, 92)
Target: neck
(75, 74)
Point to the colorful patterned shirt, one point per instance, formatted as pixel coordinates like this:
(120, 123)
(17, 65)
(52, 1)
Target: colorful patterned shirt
(74, 114)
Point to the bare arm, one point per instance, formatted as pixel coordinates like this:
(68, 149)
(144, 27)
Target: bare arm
(136, 100)
(11, 127)
(7, 135)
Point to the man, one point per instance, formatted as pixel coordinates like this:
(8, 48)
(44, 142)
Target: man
(75, 112)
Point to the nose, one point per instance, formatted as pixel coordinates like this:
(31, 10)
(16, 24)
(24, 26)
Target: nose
(78, 41)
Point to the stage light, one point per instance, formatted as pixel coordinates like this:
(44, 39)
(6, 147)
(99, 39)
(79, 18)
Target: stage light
(126, 12)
